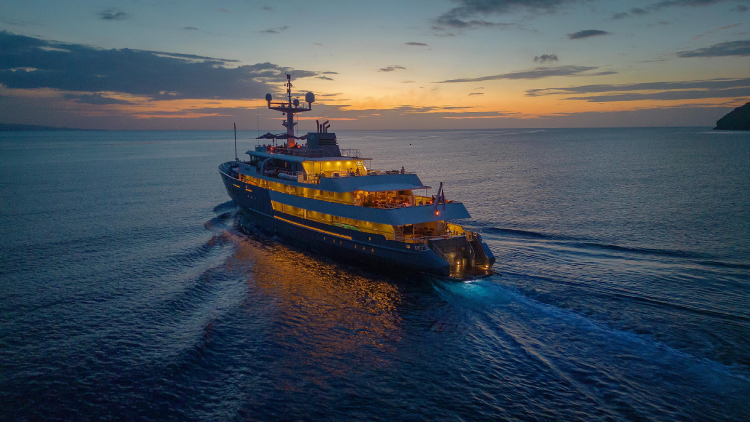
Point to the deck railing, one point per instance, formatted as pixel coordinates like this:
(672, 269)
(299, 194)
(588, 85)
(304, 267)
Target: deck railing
(425, 238)
(350, 152)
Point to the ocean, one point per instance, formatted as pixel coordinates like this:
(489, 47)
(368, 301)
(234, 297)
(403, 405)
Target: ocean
(131, 288)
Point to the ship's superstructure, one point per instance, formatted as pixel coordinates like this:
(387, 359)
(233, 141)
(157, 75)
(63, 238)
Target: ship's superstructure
(329, 199)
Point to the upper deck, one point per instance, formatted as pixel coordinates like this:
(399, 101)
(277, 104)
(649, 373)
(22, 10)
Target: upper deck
(345, 173)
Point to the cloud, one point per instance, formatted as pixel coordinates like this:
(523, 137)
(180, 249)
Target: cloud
(462, 16)
(416, 44)
(186, 56)
(223, 10)
(274, 30)
(715, 30)
(536, 73)
(329, 73)
(681, 90)
(719, 83)
(325, 78)
(474, 24)
(731, 48)
(410, 109)
(190, 28)
(476, 93)
(407, 82)
(441, 32)
(97, 99)
(267, 8)
(391, 68)
(666, 95)
(14, 22)
(545, 58)
(741, 8)
(642, 11)
(31, 63)
(113, 15)
(586, 33)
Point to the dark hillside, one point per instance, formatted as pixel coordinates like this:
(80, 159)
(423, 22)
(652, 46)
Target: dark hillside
(737, 119)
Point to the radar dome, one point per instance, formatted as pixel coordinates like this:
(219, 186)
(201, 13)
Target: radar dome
(268, 97)
(296, 102)
(310, 97)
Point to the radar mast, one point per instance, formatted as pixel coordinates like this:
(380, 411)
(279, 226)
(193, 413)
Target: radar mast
(290, 108)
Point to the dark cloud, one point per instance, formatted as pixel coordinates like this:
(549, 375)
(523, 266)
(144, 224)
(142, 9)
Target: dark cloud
(274, 30)
(187, 56)
(329, 73)
(476, 93)
(462, 16)
(721, 83)
(14, 23)
(428, 109)
(97, 99)
(391, 68)
(416, 44)
(267, 8)
(683, 90)
(741, 8)
(325, 78)
(190, 28)
(545, 58)
(667, 95)
(536, 73)
(586, 33)
(642, 11)
(113, 15)
(29, 63)
(474, 24)
(441, 32)
(731, 48)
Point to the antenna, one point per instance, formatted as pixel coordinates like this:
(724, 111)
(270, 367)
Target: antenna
(235, 143)
(289, 107)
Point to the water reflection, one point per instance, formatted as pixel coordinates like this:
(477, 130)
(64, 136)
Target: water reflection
(322, 314)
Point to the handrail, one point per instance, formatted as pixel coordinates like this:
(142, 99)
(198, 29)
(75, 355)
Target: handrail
(424, 239)
(440, 252)
(350, 152)
(471, 249)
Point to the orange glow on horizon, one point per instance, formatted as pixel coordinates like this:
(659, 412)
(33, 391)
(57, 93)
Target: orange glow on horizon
(449, 103)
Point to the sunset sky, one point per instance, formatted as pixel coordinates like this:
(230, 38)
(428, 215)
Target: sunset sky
(430, 64)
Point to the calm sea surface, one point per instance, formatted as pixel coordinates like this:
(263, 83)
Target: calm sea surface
(130, 290)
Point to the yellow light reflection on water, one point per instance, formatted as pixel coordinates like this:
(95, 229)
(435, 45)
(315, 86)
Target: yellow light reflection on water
(336, 312)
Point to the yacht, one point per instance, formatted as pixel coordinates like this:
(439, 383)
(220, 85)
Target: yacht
(330, 200)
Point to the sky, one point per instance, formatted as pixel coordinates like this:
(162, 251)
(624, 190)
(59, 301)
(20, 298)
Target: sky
(423, 64)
